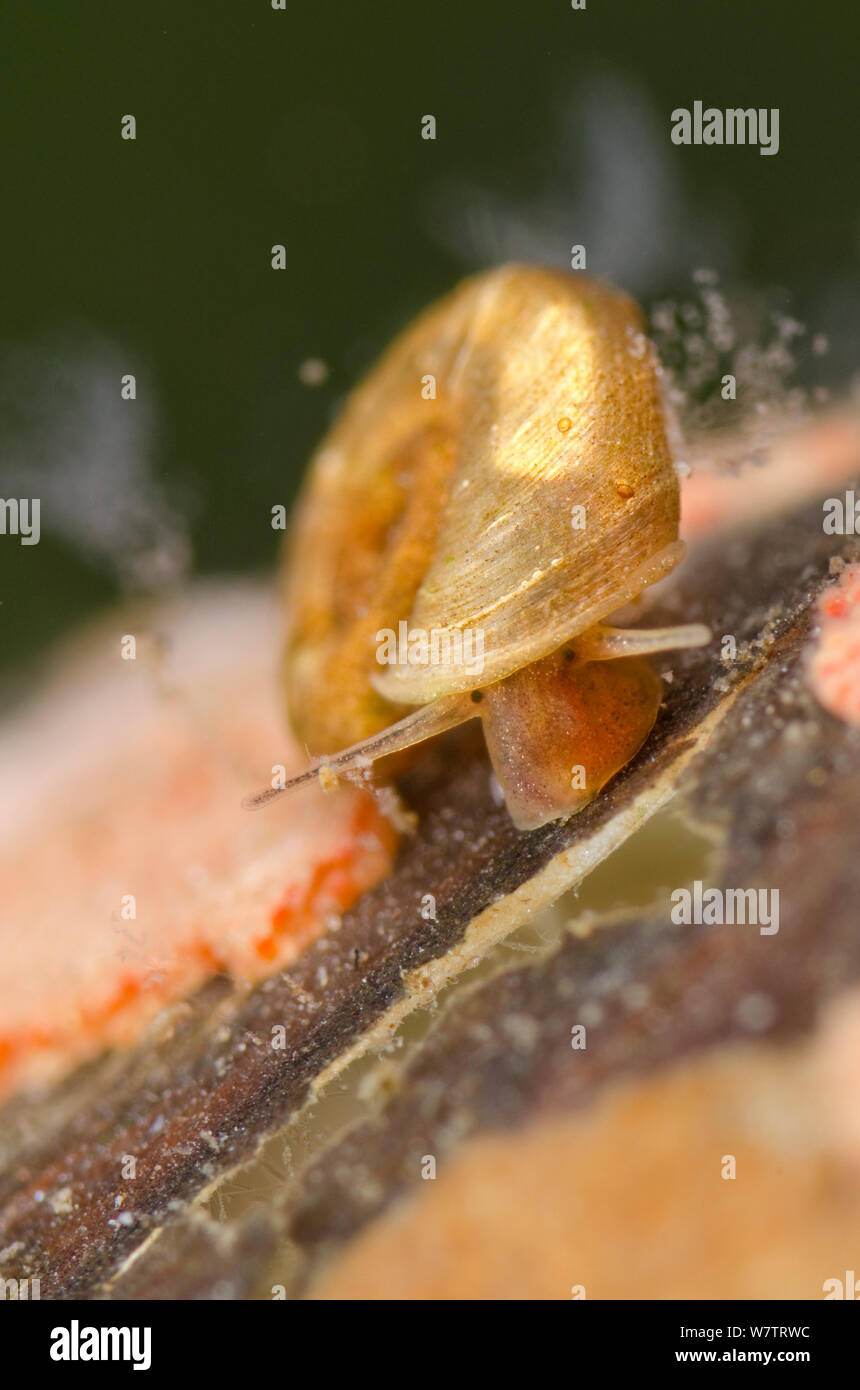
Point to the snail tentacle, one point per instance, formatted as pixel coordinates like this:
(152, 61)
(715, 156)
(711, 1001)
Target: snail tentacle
(421, 724)
(603, 643)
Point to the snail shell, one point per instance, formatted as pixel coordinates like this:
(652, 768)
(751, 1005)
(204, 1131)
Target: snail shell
(503, 470)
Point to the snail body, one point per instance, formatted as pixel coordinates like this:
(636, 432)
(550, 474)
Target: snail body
(502, 475)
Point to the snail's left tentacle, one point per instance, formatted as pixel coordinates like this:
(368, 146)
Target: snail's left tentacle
(421, 724)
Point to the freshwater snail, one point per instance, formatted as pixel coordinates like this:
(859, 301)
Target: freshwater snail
(497, 486)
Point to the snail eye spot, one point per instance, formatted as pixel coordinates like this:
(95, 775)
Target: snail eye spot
(477, 696)
(569, 654)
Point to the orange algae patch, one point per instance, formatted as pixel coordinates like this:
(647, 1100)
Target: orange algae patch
(834, 668)
(333, 886)
(130, 872)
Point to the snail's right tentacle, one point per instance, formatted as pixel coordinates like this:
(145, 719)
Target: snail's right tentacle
(602, 643)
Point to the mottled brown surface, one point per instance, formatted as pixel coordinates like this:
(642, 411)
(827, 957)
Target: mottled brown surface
(568, 1206)
(191, 1106)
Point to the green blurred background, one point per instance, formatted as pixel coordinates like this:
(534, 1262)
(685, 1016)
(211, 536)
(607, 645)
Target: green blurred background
(302, 127)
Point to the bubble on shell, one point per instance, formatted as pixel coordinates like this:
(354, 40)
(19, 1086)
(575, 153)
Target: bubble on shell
(313, 372)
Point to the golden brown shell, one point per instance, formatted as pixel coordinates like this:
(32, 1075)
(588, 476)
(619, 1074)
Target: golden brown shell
(457, 512)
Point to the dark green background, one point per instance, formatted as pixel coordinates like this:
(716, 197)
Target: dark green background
(302, 127)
